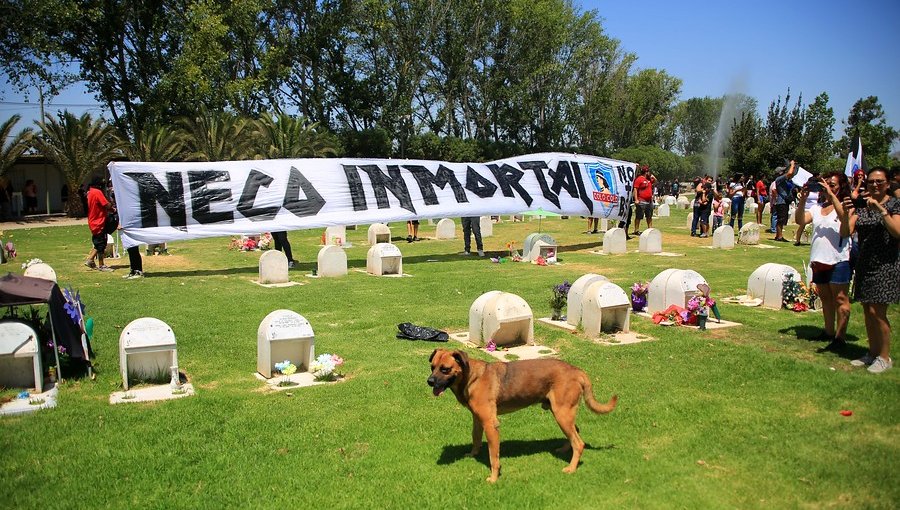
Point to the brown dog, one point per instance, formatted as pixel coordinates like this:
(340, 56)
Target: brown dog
(489, 389)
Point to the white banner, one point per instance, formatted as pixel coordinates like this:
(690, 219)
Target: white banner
(161, 202)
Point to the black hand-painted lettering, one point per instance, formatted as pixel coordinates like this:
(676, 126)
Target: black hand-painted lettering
(538, 167)
(309, 206)
(152, 192)
(444, 176)
(357, 193)
(202, 196)
(508, 178)
(393, 182)
(256, 180)
(579, 181)
(478, 184)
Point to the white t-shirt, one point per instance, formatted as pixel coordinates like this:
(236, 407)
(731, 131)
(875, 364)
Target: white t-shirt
(827, 245)
(736, 188)
(812, 200)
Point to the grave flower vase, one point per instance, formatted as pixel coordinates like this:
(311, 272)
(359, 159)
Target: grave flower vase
(556, 314)
(638, 303)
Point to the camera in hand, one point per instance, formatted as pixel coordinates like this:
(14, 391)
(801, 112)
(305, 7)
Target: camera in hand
(859, 202)
(813, 185)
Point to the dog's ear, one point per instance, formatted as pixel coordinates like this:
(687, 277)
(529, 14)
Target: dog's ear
(431, 358)
(462, 359)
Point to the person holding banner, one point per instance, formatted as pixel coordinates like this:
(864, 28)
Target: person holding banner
(470, 225)
(875, 217)
(412, 230)
(782, 200)
(282, 244)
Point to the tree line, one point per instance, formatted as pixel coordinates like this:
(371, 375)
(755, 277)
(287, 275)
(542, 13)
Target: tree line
(459, 81)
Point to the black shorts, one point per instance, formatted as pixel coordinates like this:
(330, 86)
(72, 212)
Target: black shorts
(781, 214)
(643, 211)
(99, 241)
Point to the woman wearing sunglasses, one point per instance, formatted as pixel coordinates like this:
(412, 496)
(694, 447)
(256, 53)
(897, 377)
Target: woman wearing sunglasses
(875, 218)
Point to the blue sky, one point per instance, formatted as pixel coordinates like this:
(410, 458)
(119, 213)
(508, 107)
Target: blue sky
(761, 48)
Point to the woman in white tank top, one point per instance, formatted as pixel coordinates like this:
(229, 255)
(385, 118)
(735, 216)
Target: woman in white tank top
(829, 256)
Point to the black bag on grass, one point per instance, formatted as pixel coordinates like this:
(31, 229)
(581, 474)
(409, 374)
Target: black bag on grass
(409, 331)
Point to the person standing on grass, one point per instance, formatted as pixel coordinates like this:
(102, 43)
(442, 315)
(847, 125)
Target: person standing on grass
(412, 230)
(876, 220)
(643, 198)
(98, 208)
(280, 239)
(736, 194)
(762, 198)
(472, 225)
(782, 200)
(829, 254)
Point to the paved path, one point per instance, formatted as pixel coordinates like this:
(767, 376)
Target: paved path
(42, 221)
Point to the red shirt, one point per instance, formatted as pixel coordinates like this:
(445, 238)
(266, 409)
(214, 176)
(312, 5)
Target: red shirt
(761, 189)
(644, 189)
(97, 203)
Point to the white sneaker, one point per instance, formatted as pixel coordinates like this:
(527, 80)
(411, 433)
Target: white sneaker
(880, 365)
(135, 275)
(466, 253)
(864, 361)
(481, 253)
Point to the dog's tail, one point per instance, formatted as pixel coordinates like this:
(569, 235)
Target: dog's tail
(587, 390)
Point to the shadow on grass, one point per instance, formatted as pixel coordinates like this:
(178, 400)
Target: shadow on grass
(850, 350)
(514, 448)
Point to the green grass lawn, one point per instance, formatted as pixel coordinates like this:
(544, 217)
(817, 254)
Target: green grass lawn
(744, 417)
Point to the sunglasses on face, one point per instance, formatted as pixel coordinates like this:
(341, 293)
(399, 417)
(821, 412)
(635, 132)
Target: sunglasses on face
(877, 182)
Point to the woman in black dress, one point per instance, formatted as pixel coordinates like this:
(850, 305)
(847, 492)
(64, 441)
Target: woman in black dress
(875, 218)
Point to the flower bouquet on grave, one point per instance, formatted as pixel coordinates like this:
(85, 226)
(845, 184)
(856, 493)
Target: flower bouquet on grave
(698, 306)
(286, 368)
(31, 262)
(639, 296)
(710, 302)
(671, 316)
(250, 244)
(265, 242)
(324, 367)
(794, 294)
(558, 299)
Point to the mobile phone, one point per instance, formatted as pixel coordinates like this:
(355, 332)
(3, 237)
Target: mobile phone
(859, 203)
(813, 186)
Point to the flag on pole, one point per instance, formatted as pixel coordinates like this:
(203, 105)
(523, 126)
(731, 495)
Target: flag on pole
(854, 161)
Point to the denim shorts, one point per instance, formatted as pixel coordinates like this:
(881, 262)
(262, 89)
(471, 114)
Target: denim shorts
(838, 275)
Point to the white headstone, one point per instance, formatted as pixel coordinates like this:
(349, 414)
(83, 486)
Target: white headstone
(539, 248)
(378, 233)
(42, 271)
(384, 259)
(331, 262)
(336, 236)
(749, 234)
(487, 226)
(750, 206)
(683, 202)
(502, 317)
(532, 239)
(726, 204)
(690, 219)
(670, 200)
(767, 209)
(20, 357)
(607, 308)
(446, 229)
(650, 241)
(723, 237)
(614, 241)
(604, 224)
(663, 211)
(284, 335)
(574, 300)
(273, 267)
(147, 350)
(672, 287)
(767, 282)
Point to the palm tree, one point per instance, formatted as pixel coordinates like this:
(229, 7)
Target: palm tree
(79, 147)
(10, 152)
(156, 143)
(216, 136)
(283, 136)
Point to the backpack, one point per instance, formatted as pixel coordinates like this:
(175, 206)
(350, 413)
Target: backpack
(112, 222)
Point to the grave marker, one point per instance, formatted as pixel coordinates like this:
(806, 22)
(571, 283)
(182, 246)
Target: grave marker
(663, 211)
(723, 237)
(502, 317)
(614, 241)
(20, 357)
(487, 226)
(384, 259)
(670, 200)
(749, 234)
(147, 350)
(42, 271)
(273, 267)
(650, 241)
(284, 335)
(672, 287)
(331, 262)
(336, 236)
(446, 229)
(378, 233)
(607, 308)
(574, 300)
(767, 282)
